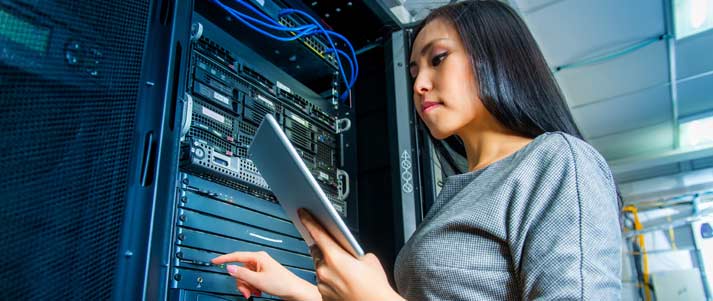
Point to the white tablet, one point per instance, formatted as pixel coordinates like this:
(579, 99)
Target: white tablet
(293, 184)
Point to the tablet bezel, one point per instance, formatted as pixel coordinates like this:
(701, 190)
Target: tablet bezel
(293, 184)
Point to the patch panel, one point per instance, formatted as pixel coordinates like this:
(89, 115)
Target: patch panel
(313, 43)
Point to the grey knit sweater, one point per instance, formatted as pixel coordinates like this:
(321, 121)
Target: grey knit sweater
(539, 224)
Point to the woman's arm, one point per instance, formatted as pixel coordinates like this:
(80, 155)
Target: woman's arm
(567, 239)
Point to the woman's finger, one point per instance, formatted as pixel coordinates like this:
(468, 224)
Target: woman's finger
(256, 292)
(327, 292)
(244, 257)
(243, 283)
(325, 275)
(316, 254)
(322, 239)
(243, 289)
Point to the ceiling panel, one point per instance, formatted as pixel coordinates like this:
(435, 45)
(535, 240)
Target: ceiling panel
(693, 55)
(570, 30)
(695, 96)
(645, 108)
(645, 140)
(622, 103)
(529, 6)
(419, 9)
(647, 173)
(645, 68)
(668, 185)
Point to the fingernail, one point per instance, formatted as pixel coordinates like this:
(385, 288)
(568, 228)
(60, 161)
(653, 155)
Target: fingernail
(232, 269)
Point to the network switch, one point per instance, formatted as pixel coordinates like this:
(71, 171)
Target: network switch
(312, 42)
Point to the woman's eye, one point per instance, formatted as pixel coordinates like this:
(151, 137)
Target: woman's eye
(436, 60)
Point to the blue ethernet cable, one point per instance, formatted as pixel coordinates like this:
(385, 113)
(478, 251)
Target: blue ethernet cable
(355, 63)
(303, 30)
(351, 65)
(300, 31)
(258, 12)
(275, 25)
(351, 48)
(331, 43)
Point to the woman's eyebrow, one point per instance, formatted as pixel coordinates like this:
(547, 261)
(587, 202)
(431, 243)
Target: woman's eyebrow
(426, 48)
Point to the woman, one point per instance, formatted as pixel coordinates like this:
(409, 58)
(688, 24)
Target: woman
(535, 216)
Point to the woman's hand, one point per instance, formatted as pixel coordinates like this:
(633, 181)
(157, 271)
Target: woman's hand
(340, 276)
(261, 273)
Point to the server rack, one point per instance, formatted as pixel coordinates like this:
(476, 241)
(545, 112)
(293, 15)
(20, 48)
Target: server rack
(192, 193)
(219, 210)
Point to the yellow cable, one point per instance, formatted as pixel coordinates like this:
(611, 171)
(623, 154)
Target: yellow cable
(671, 235)
(644, 258)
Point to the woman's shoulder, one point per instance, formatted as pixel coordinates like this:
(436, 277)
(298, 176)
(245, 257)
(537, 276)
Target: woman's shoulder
(558, 149)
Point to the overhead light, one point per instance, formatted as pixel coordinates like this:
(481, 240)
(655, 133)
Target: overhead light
(698, 13)
(696, 132)
(692, 17)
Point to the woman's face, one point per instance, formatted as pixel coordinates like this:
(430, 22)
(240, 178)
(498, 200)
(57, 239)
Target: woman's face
(444, 88)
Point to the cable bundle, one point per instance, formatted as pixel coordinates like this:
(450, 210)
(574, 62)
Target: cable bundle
(267, 23)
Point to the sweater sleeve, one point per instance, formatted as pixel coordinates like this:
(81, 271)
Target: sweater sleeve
(566, 238)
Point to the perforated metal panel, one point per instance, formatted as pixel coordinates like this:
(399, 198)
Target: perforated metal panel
(69, 73)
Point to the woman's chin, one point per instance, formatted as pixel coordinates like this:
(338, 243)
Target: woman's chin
(440, 135)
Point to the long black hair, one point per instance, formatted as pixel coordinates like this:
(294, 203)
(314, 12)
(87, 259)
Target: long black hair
(514, 82)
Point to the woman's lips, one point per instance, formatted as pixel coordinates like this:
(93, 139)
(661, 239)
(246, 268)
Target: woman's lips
(430, 105)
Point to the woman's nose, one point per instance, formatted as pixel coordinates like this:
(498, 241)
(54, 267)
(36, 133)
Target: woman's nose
(422, 84)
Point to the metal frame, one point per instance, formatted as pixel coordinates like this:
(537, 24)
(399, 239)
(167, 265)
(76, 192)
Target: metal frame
(428, 170)
(144, 254)
(673, 87)
(404, 147)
